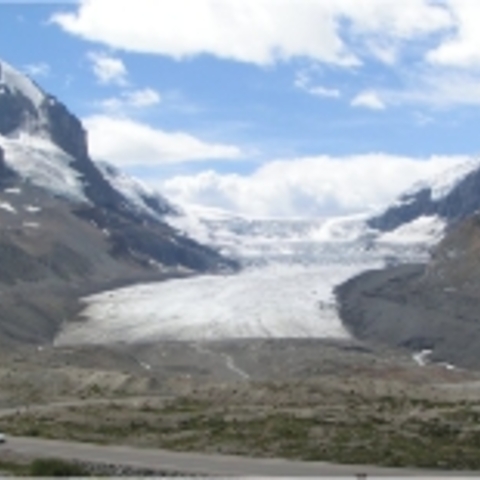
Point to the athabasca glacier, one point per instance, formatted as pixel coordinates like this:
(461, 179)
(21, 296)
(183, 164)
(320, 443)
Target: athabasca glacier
(284, 291)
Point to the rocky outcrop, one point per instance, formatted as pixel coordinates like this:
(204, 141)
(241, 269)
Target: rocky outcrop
(64, 129)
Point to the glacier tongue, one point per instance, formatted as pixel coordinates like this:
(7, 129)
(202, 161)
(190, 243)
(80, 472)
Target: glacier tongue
(277, 301)
(286, 289)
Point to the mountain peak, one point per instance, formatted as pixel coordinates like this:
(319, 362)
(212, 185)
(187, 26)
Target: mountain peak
(26, 108)
(451, 196)
(18, 83)
(20, 102)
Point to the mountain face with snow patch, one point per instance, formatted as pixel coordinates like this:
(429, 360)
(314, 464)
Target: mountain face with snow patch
(433, 306)
(69, 226)
(30, 116)
(450, 197)
(46, 145)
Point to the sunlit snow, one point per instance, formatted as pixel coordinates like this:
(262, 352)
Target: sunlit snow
(43, 164)
(31, 225)
(423, 230)
(20, 83)
(32, 209)
(7, 207)
(276, 301)
(13, 191)
(443, 184)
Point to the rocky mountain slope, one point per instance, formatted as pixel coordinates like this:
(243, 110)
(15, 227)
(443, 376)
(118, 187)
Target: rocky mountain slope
(70, 226)
(451, 197)
(433, 307)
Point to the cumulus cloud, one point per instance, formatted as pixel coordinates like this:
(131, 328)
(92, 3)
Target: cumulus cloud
(308, 187)
(462, 48)
(108, 69)
(256, 31)
(434, 88)
(143, 98)
(369, 100)
(124, 142)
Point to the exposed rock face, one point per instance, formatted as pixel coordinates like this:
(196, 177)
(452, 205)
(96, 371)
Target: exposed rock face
(400, 308)
(64, 129)
(17, 110)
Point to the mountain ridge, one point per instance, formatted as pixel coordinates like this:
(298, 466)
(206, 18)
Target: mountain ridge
(452, 197)
(433, 306)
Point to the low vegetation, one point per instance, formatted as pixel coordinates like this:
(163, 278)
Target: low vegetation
(48, 467)
(298, 421)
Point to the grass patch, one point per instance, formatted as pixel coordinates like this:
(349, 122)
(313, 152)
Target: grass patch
(386, 430)
(51, 467)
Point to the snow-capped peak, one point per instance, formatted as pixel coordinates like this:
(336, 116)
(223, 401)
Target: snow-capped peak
(18, 82)
(444, 183)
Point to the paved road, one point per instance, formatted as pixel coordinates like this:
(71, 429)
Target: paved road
(192, 463)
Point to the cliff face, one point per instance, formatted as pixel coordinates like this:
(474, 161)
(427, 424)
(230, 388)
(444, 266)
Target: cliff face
(17, 111)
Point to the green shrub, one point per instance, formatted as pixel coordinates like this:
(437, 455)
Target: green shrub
(50, 467)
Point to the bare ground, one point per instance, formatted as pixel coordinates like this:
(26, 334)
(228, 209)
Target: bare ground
(306, 399)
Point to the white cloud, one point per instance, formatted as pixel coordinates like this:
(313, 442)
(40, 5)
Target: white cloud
(319, 91)
(108, 69)
(368, 99)
(309, 187)
(143, 98)
(462, 48)
(146, 97)
(125, 142)
(387, 53)
(255, 31)
(40, 69)
(434, 88)
(304, 82)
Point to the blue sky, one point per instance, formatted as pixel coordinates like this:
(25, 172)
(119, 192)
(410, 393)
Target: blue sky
(268, 107)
